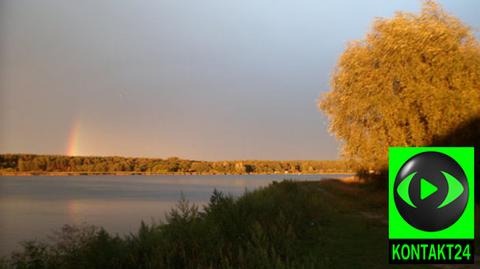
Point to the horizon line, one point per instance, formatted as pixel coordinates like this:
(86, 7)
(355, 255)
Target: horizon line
(165, 158)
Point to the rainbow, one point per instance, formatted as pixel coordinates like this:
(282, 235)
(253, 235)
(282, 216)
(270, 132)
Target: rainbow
(73, 139)
(73, 208)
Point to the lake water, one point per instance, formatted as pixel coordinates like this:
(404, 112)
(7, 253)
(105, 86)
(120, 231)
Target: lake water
(31, 207)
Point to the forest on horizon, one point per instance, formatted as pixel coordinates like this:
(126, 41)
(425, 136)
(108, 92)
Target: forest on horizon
(11, 164)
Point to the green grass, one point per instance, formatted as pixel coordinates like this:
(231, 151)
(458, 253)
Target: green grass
(326, 224)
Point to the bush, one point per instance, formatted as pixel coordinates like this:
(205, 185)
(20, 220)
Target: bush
(275, 227)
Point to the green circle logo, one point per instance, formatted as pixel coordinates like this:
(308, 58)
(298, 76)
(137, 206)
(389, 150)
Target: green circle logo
(431, 191)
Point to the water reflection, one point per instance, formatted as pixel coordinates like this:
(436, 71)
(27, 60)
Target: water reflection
(31, 207)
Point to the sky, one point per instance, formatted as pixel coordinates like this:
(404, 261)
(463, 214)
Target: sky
(206, 80)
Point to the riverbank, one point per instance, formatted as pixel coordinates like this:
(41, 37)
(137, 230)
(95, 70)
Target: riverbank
(13, 174)
(326, 224)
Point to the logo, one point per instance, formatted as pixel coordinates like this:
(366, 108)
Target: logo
(431, 205)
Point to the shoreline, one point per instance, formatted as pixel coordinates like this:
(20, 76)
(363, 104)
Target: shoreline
(276, 212)
(18, 174)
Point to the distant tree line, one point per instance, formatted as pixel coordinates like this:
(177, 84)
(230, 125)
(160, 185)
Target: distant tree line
(30, 163)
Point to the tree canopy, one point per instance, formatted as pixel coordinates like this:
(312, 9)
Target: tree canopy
(412, 79)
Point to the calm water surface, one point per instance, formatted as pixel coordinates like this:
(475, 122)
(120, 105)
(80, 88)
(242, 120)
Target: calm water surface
(31, 207)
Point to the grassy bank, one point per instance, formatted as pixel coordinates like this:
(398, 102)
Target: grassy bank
(327, 224)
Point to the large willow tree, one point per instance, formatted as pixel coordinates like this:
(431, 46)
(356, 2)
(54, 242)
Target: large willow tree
(413, 79)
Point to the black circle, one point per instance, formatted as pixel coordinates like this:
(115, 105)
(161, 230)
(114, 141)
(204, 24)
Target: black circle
(427, 216)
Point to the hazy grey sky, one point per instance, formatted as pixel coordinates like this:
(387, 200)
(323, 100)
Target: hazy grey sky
(210, 79)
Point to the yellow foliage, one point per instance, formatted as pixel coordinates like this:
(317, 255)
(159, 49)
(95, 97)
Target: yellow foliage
(412, 79)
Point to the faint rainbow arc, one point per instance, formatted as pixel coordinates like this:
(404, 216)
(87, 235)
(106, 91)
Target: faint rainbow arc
(73, 139)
